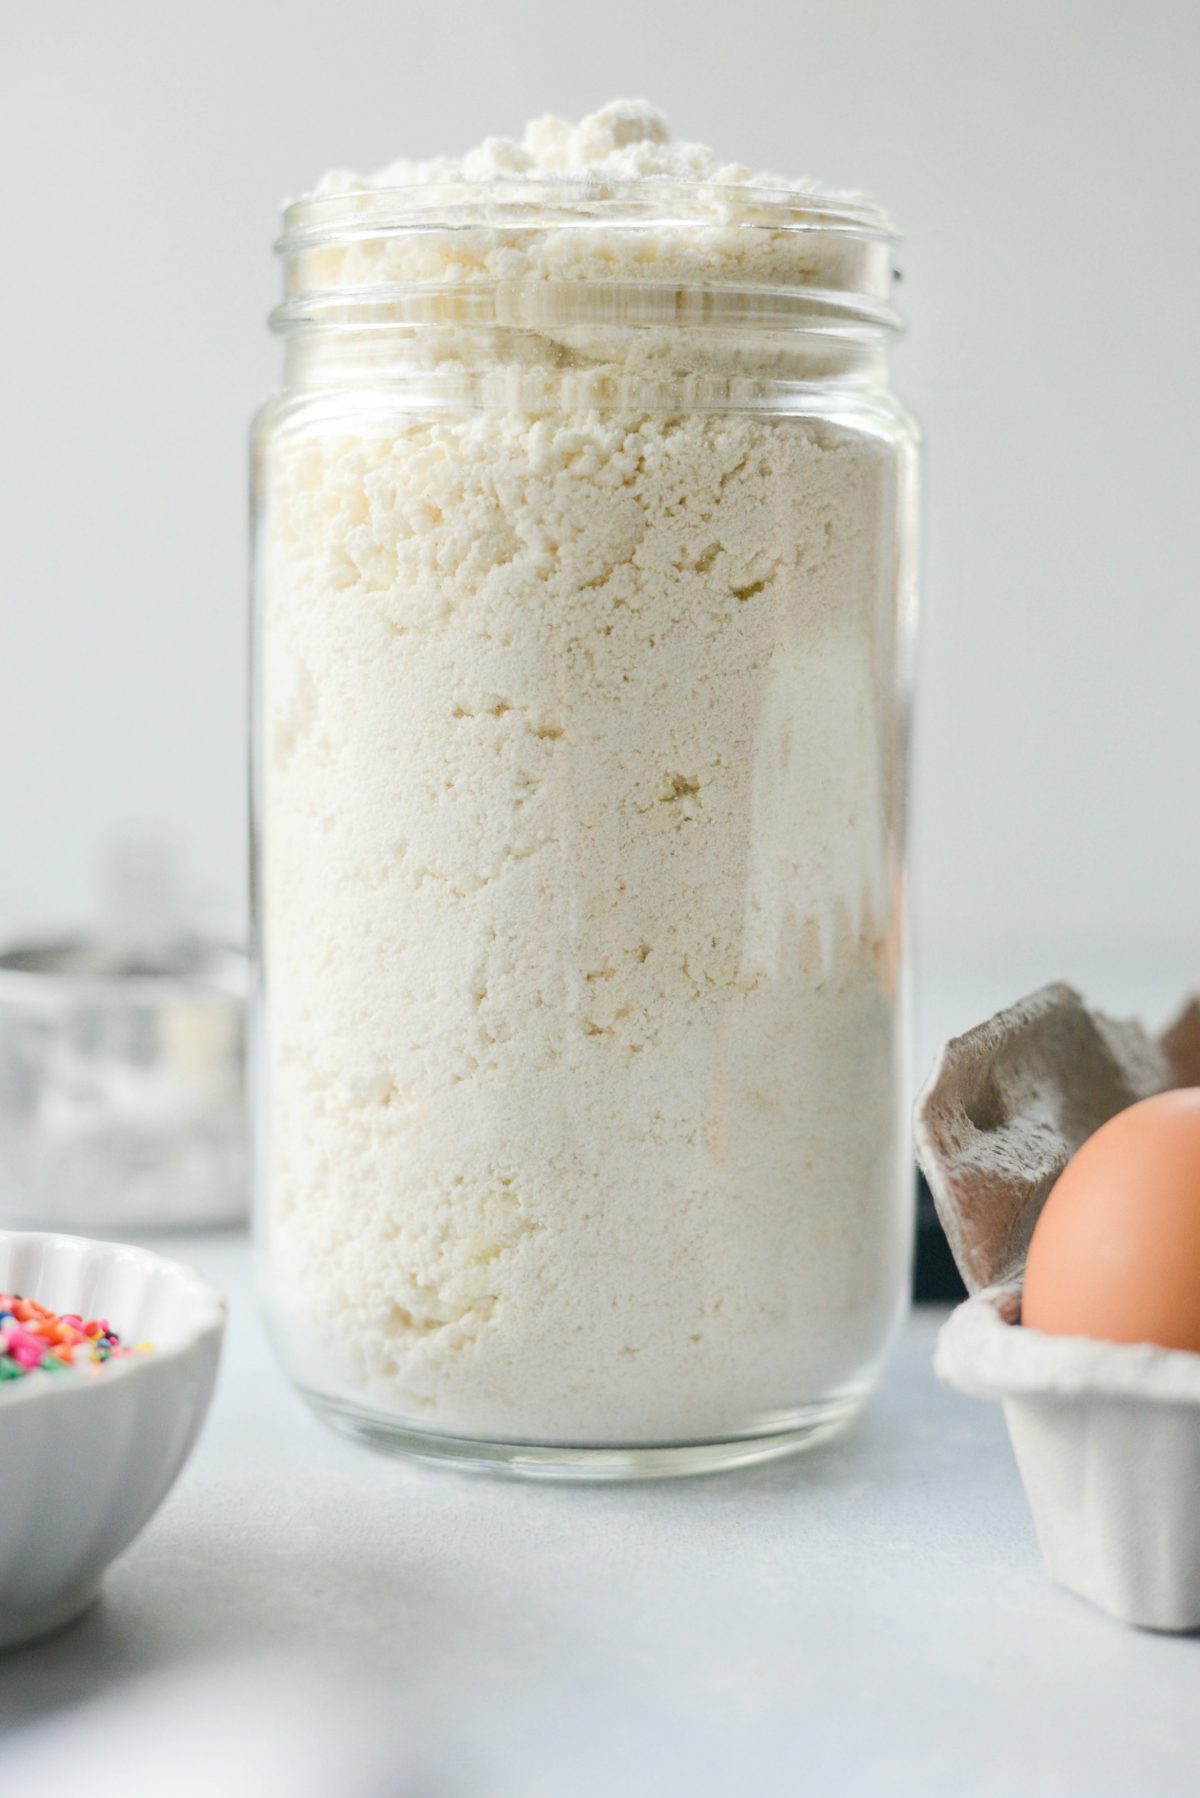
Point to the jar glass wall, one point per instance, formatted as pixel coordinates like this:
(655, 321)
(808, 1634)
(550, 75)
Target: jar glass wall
(582, 636)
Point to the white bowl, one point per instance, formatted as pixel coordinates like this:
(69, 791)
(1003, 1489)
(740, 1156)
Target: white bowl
(86, 1457)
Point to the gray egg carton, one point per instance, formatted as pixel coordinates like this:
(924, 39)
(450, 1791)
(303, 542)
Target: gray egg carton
(1106, 1435)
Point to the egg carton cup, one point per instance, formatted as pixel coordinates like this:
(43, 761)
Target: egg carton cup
(1106, 1435)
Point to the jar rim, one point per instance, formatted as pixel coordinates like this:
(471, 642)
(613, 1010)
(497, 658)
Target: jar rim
(412, 306)
(566, 201)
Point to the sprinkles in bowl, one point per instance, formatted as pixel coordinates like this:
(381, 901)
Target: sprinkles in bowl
(35, 1340)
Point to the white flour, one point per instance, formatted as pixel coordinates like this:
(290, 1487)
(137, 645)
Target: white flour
(627, 140)
(579, 774)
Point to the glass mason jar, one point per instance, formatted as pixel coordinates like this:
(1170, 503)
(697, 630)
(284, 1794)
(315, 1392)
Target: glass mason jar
(584, 609)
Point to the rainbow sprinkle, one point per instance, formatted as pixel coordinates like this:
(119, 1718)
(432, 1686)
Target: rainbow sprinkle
(34, 1340)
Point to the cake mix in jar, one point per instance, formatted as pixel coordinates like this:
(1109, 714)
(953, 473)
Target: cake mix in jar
(583, 618)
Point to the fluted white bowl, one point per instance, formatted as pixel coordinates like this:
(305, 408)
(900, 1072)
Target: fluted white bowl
(86, 1457)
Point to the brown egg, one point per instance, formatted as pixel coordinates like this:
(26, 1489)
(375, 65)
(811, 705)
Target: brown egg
(1116, 1251)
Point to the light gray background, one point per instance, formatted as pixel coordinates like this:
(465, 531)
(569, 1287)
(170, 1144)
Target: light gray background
(1041, 157)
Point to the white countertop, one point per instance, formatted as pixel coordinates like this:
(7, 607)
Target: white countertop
(871, 1617)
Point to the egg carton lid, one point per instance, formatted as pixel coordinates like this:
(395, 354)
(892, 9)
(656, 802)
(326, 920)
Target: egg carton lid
(1008, 1104)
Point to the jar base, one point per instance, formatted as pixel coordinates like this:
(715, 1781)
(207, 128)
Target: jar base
(805, 1428)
